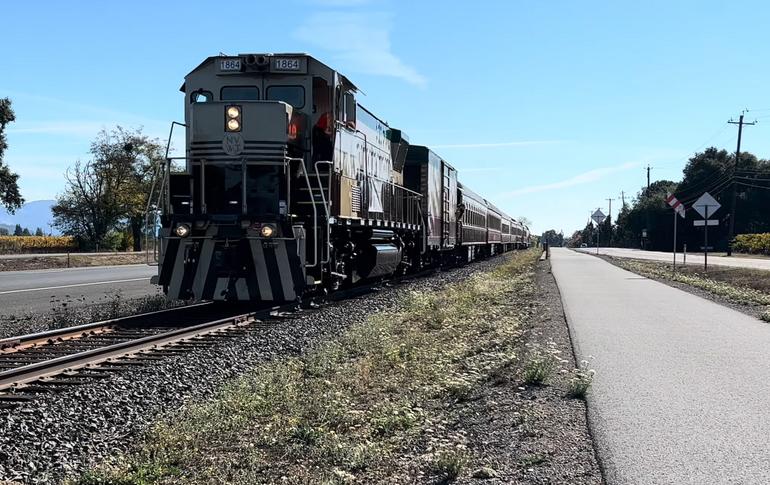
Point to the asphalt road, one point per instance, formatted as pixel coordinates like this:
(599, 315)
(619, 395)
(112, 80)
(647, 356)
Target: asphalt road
(24, 292)
(681, 393)
(697, 258)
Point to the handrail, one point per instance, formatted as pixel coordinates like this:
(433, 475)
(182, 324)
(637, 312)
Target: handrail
(326, 208)
(158, 169)
(315, 211)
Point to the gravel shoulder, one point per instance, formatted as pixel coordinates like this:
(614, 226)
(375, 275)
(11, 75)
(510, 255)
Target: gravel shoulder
(534, 433)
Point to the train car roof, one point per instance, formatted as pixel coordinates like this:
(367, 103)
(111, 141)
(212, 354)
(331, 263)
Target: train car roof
(419, 151)
(310, 58)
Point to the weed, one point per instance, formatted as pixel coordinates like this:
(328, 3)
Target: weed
(449, 464)
(580, 381)
(533, 460)
(539, 368)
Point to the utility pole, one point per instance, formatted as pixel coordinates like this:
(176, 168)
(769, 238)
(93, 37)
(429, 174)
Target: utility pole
(647, 212)
(731, 230)
(609, 223)
(623, 198)
(648, 178)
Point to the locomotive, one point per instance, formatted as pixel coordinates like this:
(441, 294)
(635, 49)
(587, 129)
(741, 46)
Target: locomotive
(289, 186)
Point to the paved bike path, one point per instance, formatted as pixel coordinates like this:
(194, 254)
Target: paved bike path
(682, 389)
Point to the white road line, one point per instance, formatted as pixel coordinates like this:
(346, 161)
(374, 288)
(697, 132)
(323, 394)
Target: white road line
(72, 286)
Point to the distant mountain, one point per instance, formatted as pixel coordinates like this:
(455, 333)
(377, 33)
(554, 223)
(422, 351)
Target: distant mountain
(31, 215)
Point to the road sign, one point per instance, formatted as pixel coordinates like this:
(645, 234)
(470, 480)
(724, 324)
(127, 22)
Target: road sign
(598, 216)
(675, 204)
(711, 222)
(706, 205)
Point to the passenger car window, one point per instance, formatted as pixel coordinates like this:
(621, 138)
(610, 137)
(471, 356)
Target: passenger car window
(239, 93)
(293, 95)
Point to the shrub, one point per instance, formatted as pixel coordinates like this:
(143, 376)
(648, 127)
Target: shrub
(752, 243)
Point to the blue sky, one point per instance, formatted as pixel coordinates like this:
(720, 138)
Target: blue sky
(546, 108)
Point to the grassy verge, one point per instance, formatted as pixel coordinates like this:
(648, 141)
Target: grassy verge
(741, 286)
(369, 406)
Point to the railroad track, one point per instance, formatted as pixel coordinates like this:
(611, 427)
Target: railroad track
(54, 360)
(51, 361)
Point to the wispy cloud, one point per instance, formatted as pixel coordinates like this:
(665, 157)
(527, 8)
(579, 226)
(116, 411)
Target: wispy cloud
(583, 178)
(498, 144)
(360, 41)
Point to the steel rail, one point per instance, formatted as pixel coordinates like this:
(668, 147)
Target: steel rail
(14, 344)
(34, 372)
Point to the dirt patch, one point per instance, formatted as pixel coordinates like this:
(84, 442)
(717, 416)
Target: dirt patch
(73, 261)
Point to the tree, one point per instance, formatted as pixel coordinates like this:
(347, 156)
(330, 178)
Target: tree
(10, 197)
(26, 232)
(39, 232)
(553, 238)
(111, 190)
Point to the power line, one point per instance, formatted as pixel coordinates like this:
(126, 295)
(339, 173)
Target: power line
(715, 179)
(753, 186)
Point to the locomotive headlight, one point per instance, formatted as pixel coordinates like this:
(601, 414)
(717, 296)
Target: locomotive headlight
(233, 112)
(182, 230)
(233, 118)
(267, 231)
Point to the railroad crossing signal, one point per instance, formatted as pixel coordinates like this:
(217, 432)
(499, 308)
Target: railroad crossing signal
(675, 204)
(598, 216)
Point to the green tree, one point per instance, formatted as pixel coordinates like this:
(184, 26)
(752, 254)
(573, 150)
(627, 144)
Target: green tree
(111, 190)
(553, 238)
(10, 197)
(26, 232)
(39, 232)
(17, 231)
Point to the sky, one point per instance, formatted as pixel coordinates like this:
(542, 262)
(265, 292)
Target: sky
(547, 109)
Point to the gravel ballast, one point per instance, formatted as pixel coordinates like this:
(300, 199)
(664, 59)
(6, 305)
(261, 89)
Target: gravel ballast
(60, 434)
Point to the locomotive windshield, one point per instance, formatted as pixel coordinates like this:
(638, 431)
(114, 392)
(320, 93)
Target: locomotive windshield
(239, 93)
(293, 95)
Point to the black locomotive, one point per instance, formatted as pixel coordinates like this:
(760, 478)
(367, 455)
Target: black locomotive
(289, 186)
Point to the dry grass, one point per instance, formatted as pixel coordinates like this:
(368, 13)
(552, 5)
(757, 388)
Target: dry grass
(366, 407)
(739, 285)
(75, 261)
